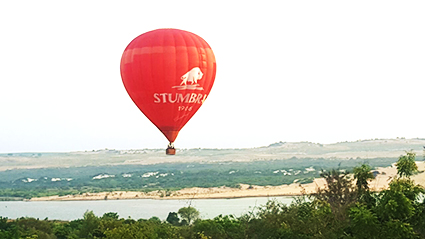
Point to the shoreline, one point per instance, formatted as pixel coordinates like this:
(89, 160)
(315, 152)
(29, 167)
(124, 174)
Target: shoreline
(190, 193)
(383, 178)
(159, 198)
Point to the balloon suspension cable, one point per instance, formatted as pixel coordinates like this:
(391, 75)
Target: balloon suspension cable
(171, 145)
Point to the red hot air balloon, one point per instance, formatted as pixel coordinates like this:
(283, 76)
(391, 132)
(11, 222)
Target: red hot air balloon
(168, 74)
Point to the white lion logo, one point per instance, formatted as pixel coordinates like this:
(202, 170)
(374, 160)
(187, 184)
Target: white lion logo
(192, 76)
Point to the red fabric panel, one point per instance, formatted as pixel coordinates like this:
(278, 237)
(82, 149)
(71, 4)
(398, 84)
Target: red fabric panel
(168, 73)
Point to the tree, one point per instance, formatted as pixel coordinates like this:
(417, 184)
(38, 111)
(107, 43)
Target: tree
(189, 214)
(173, 218)
(34, 228)
(396, 229)
(220, 227)
(394, 204)
(131, 231)
(418, 219)
(90, 225)
(155, 219)
(109, 221)
(362, 174)
(364, 223)
(8, 229)
(110, 215)
(339, 193)
(62, 231)
(408, 187)
(406, 165)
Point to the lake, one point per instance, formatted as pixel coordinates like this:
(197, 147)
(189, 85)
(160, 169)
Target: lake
(136, 209)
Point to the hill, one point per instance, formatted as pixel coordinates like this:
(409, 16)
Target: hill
(29, 175)
(362, 149)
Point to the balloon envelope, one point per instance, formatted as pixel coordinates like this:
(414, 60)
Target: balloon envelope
(168, 74)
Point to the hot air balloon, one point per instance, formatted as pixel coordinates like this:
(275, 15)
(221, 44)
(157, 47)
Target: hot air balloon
(168, 73)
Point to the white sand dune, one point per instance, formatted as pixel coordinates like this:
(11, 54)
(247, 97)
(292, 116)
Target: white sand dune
(381, 182)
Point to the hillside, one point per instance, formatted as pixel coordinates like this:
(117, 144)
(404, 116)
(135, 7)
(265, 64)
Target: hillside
(362, 149)
(28, 175)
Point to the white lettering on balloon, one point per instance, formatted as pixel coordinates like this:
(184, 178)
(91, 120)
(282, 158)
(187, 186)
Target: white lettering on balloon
(191, 98)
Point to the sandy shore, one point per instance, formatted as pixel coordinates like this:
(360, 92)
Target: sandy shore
(381, 182)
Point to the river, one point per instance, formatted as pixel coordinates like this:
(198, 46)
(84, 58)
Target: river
(136, 209)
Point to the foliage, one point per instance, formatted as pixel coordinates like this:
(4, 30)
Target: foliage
(340, 193)
(394, 216)
(406, 165)
(220, 227)
(364, 223)
(18, 184)
(189, 214)
(362, 174)
(90, 226)
(407, 187)
(418, 219)
(303, 219)
(173, 218)
(335, 212)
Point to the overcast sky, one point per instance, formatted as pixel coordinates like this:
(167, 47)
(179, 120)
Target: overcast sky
(318, 71)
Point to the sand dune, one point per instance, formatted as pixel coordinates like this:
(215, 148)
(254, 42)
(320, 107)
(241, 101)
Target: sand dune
(381, 182)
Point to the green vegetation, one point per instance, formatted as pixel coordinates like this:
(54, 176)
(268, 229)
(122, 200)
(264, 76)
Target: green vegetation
(28, 183)
(189, 214)
(406, 165)
(362, 174)
(343, 210)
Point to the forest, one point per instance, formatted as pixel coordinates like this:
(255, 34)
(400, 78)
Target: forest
(19, 184)
(345, 209)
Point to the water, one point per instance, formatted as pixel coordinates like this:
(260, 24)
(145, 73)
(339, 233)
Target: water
(136, 209)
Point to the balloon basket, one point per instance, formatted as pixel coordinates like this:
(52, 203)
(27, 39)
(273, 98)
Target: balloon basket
(170, 151)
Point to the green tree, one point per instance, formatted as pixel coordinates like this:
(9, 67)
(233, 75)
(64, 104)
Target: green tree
(173, 218)
(364, 223)
(8, 230)
(110, 221)
(398, 201)
(418, 219)
(396, 229)
(362, 174)
(132, 231)
(155, 219)
(406, 186)
(110, 215)
(220, 227)
(406, 165)
(90, 227)
(339, 193)
(62, 230)
(394, 205)
(189, 214)
(35, 228)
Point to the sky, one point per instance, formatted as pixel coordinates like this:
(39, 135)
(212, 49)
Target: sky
(317, 71)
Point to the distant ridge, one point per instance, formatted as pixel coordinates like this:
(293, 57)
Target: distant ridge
(398, 140)
(367, 149)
